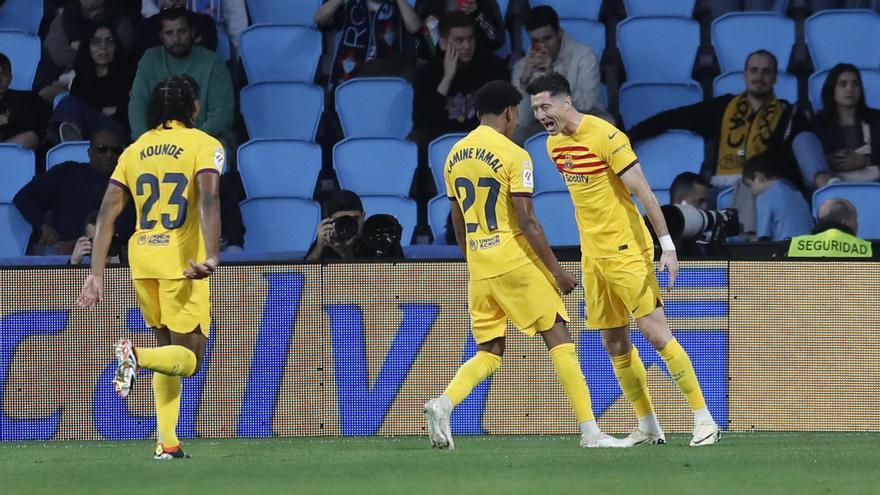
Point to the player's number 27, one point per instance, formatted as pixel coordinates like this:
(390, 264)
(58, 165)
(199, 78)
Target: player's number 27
(470, 196)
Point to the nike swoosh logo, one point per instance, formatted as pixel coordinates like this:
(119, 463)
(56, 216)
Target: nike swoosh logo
(612, 136)
(704, 438)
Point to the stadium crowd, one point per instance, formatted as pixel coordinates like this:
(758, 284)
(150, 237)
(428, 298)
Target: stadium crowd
(101, 58)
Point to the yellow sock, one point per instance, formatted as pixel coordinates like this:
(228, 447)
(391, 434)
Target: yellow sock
(470, 374)
(633, 380)
(682, 371)
(174, 360)
(167, 391)
(568, 369)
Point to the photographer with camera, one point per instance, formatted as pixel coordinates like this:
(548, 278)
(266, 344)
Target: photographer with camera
(345, 232)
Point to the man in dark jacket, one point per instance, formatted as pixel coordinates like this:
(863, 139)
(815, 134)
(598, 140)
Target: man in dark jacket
(23, 114)
(444, 87)
(57, 203)
(740, 127)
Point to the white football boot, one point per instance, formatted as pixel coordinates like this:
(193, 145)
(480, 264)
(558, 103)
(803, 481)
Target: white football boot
(126, 368)
(705, 433)
(439, 431)
(639, 437)
(602, 440)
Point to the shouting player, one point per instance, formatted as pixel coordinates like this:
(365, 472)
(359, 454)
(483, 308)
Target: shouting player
(173, 172)
(601, 172)
(513, 272)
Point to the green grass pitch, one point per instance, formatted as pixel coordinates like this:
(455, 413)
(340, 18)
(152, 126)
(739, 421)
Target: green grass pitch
(745, 463)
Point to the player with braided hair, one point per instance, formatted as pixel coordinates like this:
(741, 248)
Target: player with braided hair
(173, 173)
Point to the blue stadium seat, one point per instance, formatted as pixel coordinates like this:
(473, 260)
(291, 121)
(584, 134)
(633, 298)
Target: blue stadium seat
(585, 31)
(850, 36)
(870, 85)
(667, 155)
(404, 209)
(680, 8)
(375, 107)
(272, 52)
(640, 100)
(14, 231)
(282, 110)
(864, 196)
(725, 199)
(738, 34)
(275, 168)
(24, 15)
(573, 9)
(279, 224)
(547, 177)
(60, 96)
(16, 169)
(283, 11)
(438, 211)
(658, 48)
(438, 151)
(555, 211)
(71, 151)
(732, 83)
(375, 166)
(23, 50)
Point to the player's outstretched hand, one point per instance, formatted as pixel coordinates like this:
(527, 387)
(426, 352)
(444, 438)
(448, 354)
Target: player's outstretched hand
(566, 281)
(92, 292)
(669, 261)
(201, 270)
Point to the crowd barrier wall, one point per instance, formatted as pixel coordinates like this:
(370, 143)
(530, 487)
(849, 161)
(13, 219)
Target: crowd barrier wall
(356, 349)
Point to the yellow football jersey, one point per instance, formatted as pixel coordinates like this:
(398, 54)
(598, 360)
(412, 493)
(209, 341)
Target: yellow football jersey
(160, 170)
(483, 172)
(590, 161)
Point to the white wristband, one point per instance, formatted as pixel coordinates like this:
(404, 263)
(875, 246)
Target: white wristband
(666, 243)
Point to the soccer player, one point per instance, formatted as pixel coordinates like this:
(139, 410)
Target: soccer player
(513, 272)
(601, 172)
(173, 172)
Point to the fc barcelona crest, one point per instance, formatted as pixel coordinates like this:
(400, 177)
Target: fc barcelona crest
(569, 161)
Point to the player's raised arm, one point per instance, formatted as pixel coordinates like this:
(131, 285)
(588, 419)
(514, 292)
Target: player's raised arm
(114, 201)
(634, 180)
(534, 233)
(209, 206)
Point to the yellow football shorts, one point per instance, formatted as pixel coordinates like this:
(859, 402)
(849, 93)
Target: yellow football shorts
(526, 295)
(178, 305)
(618, 287)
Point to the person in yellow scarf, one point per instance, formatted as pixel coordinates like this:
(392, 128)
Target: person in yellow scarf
(740, 127)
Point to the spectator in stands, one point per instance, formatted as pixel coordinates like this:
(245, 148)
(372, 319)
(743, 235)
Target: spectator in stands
(782, 210)
(58, 202)
(553, 50)
(742, 126)
(232, 14)
(179, 56)
(204, 29)
(98, 97)
(689, 188)
(67, 30)
(848, 129)
(834, 235)
(23, 114)
(444, 87)
(486, 14)
(82, 250)
(340, 233)
(379, 35)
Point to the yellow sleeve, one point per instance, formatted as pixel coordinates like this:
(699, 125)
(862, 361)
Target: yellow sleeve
(210, 156)
(617, 150)
(118, 176)
(522, 178)
(450, 189)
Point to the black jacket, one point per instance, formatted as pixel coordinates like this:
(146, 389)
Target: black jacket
(825, 124)
(706, 119)
(455, 111)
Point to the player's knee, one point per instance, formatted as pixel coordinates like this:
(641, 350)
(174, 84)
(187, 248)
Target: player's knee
(494, 346)
(616, 341)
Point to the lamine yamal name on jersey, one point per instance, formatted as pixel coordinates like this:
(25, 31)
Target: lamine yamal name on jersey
(481, 154)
